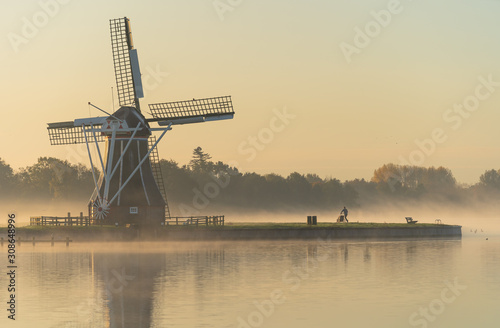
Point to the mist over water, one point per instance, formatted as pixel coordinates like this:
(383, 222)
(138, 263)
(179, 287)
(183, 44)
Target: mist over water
(261, 284)
(290, 283)
(485, 217)
(476, 216)
(24, 209)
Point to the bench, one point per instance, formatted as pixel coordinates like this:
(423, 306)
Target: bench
(409, 220)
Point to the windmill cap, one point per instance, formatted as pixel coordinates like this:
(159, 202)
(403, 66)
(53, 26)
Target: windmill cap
(127, 118)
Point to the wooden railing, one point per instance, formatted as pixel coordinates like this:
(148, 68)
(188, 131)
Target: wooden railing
(57, 221)
(34, 241)
(196, 220)
(81, 220)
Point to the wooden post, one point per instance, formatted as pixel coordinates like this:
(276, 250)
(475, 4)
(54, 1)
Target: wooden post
(81, 218)
(33, 240)
(67, 241)
(90, 214)
(68, 222)
(206, 221)
(176, 220)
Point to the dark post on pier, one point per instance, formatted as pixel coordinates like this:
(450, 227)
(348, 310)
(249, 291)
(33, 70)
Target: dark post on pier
(312, 220)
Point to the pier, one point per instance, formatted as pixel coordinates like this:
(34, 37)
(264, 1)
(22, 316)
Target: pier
(33, 241)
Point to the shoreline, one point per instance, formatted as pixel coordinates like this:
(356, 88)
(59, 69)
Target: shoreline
(234, 232)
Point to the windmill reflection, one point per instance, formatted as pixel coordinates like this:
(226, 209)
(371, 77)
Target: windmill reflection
(129, 284)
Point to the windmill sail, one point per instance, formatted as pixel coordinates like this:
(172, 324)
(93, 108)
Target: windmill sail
(136, 73)
(126, 63)
(192, 111)
(74, 132)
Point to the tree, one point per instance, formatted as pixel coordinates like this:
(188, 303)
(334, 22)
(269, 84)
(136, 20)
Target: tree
(332, 192)
(490, 179)
(253, 190)
(413, 180)
(53, 178)
(277, 190)
(6, 177)
(200, 160)
(178, 182)
(313, 178)
(300, 188)
(438, 179)
(390, 175)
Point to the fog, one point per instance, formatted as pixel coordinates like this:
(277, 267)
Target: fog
(24, 209)
(476, 215)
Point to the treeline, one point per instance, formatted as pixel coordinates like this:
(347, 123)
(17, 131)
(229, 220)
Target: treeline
(48, 179)
(204, 184)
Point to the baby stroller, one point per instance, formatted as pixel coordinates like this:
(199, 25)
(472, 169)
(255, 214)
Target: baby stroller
(342, 218)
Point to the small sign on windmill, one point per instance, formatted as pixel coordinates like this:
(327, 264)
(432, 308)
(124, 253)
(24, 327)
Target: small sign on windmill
(130, 189)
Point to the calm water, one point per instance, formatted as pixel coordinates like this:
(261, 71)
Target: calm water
(426, 283)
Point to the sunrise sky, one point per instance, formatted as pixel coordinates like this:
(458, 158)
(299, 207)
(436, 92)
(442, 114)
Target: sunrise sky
(331, 87)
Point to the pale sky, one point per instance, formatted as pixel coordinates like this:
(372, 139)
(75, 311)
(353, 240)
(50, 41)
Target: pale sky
(348, 114)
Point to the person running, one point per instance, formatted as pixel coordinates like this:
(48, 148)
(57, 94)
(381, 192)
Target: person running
(344, 212)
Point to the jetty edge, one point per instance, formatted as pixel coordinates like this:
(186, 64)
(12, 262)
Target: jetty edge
(245, 231)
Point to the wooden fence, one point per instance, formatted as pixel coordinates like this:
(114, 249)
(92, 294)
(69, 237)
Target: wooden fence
(85, 221)
(33, 241)
(196, 220)
(57, 221)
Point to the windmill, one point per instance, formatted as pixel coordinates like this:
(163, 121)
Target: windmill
(130, 187)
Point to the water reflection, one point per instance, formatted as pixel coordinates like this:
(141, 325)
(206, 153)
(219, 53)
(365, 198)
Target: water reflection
(216, 284)
(366, 254)
(186, 286)
(129, 284)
